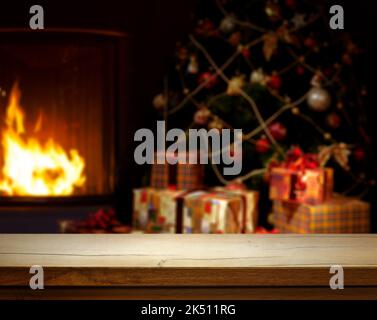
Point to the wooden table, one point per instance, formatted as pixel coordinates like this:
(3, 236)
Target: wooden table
(188, 266)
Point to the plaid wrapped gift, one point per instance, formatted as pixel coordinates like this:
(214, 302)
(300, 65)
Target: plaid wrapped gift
(210, 212)
(250, 202)
(338, 215)
(312, 186)
(184, 176)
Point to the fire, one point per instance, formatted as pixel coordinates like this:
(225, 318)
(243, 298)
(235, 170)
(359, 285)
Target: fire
(30, 167)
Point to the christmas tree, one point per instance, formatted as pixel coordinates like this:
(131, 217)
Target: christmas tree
(275, 70)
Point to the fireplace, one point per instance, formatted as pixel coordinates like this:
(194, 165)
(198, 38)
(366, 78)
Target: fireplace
(59, 113)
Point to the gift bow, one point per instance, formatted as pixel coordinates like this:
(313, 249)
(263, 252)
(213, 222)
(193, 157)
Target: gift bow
(297, 160)
(339, 151)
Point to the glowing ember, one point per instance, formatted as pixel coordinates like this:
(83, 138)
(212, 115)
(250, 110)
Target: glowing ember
(32, 168)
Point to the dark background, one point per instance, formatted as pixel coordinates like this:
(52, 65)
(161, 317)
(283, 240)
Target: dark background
(154, 27)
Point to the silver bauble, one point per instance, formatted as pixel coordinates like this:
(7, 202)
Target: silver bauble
(318, 99)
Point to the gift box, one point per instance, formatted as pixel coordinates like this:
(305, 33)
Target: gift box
(338, 215)
(250, 200)
(310, 186)
(157, 210)
(212, 212)
(300, 179)
(181, 211)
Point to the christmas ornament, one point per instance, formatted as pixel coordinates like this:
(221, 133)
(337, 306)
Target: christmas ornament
(227, 25)
(258, 77)
(274, 82)
(333, 120)
(262, 145)
(193, 66)
(298, 20)
(201, 116)
(159, 101)
(244, 51)
(359, 154)
(235, 85)
(209, 79)
(273, 11)
(270, 45)
(318, 99)
(278, 131)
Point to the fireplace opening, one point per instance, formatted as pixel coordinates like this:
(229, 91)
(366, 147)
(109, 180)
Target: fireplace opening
(58, 116)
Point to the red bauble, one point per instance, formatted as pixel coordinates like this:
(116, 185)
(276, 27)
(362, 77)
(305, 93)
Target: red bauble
(275, 82)
(209, 78)
(278, 131)
(262, 145)
(359, 154)
(246, 53)
(333, 120)
(310, 43)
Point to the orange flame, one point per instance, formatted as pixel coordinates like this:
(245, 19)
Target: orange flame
(31, 168)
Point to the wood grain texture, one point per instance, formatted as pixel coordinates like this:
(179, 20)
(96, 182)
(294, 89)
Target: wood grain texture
(131, 264)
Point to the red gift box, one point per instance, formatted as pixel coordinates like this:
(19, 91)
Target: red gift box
(300, 179)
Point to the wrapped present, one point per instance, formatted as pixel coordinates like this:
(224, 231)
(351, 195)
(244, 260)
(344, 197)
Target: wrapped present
(310, 186)
(158, 210)
(250, 206)
(212, 212)
(184, 176)
(337, 215)
(300, 179)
